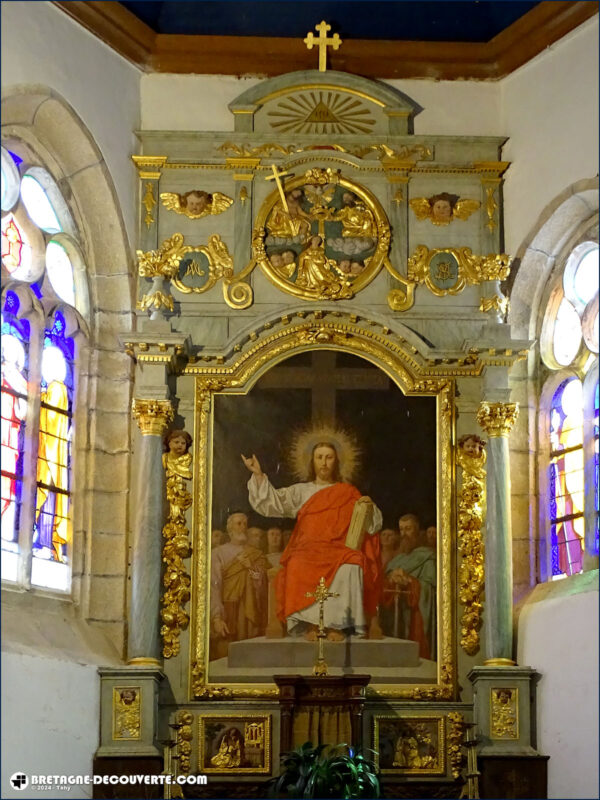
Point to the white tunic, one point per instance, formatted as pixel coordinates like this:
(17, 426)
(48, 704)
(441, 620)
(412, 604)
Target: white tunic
(345, 611)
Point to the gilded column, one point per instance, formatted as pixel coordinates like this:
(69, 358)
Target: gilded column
(144, 646)
(497, 420)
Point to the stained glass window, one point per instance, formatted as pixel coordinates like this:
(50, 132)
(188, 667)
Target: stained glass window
(596, 475)
(16, 250)
(52, 520)
(41, 253)
(60, 271)
(15, 346)
(566, 479)
(38, 205)
(570, 321)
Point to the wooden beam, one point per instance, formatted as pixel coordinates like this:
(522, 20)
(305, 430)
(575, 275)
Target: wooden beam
(545, 24)
(113, 24)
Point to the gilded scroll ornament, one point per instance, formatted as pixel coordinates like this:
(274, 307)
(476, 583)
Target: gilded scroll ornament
(127, 714)
(196, 274)
(214, 263)
(196, 203)
(471, 457)
(261, 150)
(153, 416)
(177, 462)
(149, 202)
(320, 237)
(415, 152)
(448, 270)
(456, 732)
(497, 419)
(504, 713)
(443, 208)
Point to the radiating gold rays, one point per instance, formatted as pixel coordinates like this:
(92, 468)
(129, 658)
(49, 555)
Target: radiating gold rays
(321, 112)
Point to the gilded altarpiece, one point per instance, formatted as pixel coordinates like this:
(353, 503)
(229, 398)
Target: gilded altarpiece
(318, 275)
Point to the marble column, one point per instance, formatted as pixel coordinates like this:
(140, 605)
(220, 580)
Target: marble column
(497, 420)
(144, 649)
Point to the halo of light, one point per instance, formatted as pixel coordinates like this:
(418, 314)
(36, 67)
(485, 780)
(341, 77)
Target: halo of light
(344, 443)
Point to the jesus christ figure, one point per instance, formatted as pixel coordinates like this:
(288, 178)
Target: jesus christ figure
(317, 548)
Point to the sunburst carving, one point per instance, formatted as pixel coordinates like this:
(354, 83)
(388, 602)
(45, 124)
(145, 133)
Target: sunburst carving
(321, 112)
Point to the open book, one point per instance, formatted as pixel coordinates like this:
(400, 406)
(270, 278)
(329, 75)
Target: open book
(361, 519)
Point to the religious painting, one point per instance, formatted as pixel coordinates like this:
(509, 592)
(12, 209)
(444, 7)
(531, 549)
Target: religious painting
(410, 745)
(321, 236)
(324, 469)
(234, 744)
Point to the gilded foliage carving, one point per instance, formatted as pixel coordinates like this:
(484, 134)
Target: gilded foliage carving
(471, 457)
(176, 580)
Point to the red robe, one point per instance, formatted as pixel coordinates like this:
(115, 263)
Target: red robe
(317, 549)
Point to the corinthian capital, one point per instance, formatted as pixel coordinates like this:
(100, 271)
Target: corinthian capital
(497, 419)
(153, 416)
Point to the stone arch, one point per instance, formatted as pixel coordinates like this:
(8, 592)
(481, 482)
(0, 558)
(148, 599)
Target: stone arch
(568, 219)
(565, 218)
(42, 123)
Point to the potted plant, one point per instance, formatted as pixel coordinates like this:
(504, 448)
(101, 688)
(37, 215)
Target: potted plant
(325, 771)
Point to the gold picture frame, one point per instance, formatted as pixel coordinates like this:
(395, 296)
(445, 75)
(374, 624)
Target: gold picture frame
(410, 745)
(234, 744)
(237, 376)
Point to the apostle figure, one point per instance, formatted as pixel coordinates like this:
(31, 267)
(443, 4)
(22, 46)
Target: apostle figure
(324, 507)
(293, 223)
(238, 595)
(413, 570)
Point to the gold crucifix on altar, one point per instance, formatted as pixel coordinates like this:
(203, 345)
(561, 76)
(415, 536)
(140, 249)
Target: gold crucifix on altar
(321, 595)
(276, 177)
(323, 42)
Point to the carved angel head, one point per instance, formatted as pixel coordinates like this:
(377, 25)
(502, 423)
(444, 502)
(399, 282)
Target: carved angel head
(444, 207)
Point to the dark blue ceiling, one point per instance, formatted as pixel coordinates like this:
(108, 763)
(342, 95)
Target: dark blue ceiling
(428, 20)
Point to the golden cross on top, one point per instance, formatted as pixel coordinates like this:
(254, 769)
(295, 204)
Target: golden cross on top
(276, 176)
(323, 42)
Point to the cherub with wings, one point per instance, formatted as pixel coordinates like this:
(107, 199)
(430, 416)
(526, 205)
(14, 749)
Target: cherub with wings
(196, 204)
(442, 208)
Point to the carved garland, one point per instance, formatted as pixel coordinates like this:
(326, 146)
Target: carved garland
(176, 580)
(471, 575)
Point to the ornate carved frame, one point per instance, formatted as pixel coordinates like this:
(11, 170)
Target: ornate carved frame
(413, 377)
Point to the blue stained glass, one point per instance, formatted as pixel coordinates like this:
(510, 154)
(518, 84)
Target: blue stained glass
(15, 158)
(552, 491)
(37, 290)
(11, 303)
(554, 549)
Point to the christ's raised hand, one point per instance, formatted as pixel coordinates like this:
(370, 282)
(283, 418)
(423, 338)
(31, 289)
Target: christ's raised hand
(253, 464)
